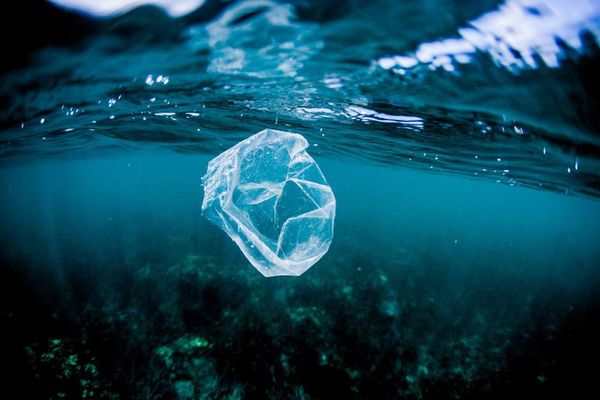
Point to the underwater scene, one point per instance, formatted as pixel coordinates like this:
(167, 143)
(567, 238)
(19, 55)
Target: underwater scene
(301, 199)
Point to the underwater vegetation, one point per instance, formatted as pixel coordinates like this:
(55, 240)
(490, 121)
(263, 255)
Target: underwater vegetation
(226, 333)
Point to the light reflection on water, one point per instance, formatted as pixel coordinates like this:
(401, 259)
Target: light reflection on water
(175, 8)
(258, 64)
(518, 34)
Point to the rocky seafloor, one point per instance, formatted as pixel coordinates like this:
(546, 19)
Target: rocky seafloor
(199, 328)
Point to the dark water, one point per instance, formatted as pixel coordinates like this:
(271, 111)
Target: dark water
(461, 142)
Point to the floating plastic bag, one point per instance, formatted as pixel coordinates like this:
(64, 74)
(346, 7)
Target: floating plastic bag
(270, 196)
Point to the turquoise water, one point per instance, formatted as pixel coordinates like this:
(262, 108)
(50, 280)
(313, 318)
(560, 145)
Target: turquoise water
(465, 257)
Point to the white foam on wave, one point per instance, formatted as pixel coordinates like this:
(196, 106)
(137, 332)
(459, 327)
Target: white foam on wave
(106, 8)
(516, 35)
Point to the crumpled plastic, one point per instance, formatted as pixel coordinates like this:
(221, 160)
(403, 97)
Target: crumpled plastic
(270, 196)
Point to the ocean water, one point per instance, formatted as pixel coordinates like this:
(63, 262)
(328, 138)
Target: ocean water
(460, 140)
